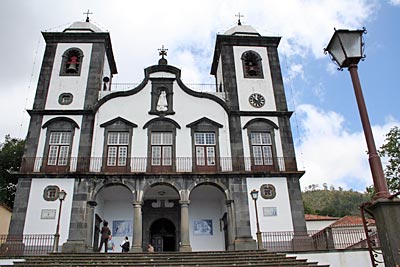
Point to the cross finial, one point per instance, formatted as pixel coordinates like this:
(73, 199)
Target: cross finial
(239, 16)
(163, 51)
(87, 15)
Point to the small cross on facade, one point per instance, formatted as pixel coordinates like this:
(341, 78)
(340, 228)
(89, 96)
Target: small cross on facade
(239, 16)
(163, 51)
(87, 15)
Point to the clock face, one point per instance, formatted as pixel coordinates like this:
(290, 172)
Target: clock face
(256, 100)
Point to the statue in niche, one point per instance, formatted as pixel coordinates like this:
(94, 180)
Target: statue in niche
(162, 103)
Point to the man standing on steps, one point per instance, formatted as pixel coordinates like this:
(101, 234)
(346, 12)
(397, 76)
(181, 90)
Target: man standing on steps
(105, 234)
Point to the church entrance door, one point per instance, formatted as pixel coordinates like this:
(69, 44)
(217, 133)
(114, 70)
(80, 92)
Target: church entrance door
(163, 235)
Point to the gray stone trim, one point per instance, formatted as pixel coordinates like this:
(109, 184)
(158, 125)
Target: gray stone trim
(45, 76)
(276, 76)
(59, 112)
(204, 120)
(102, 38)
(157, 86)
(94, 82)
(234, 40)
(120, 120)
(259, 121)
(296, 203)
(32, 138)
(21, 200)
(61, 121)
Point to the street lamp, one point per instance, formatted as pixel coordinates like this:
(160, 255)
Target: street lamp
(346, 49)
(254, 196)
(61, 196)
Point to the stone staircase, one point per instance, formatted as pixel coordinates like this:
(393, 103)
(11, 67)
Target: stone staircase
(173, 259)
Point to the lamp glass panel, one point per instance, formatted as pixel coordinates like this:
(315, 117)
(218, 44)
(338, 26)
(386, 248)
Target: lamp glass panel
(335, 49)
(254, 195)
(62, 194)
(351, 41)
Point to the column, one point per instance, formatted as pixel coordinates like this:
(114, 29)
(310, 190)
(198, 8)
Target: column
(231, 224)
(90, 221)
(137, 227)
(185, 240)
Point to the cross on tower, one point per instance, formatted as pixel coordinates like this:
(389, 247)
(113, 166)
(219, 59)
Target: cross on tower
(239, 16)
(163, 51)
(87, 15)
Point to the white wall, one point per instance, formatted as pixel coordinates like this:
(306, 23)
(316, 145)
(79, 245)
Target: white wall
(248, 86)
(348, 258)
(33, 222)
(188, 109)
(283, 220)
(318, 225)
(76, 85)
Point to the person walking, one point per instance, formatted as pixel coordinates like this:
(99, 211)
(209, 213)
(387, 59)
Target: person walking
(105, 234)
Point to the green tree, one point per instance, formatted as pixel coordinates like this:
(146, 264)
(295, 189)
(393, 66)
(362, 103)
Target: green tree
(11, 151)
(391, 150)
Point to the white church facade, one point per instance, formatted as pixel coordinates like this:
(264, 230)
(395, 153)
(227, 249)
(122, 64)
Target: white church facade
(161, 162)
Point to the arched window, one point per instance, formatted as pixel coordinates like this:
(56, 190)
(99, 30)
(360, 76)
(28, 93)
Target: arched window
(71, 62)
(252, 67)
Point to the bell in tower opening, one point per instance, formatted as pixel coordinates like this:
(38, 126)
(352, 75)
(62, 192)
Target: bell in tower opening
(72, 64)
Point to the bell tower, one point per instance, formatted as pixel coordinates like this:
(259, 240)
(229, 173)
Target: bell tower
(247, 70)
(78, 63)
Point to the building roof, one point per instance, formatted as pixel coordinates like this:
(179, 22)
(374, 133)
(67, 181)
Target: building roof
(313, 217)
(352, 220)
(82, 26)
(243, 30)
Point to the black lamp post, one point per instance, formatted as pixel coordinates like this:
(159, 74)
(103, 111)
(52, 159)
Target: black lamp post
(346, 49)
(61, 196)
(254, 196)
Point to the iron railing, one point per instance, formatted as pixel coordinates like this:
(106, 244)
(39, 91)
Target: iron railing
(148, 165)
(34, 244)
(331, 238)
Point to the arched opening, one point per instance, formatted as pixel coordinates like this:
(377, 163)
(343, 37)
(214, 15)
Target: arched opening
(163, 235)
(161, 217)
(208, 218)
(114, 205)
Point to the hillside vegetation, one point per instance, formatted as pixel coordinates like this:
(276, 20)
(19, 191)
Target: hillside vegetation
(332, 202)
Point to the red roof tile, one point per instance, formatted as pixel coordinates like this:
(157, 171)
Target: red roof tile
(313, 217)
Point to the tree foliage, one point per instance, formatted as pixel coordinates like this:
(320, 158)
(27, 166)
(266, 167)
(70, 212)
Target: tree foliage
(332, 202)
(11, 151)
(391, 150)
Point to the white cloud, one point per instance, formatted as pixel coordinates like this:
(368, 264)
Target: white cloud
(394, 2)
(330, 153)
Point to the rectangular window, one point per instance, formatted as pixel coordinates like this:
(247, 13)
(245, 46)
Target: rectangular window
(59, 143)
(161, 148)
(205, 148)
(261, 143)
(117, 148)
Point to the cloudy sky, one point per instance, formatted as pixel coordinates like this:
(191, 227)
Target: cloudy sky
(330, 144)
